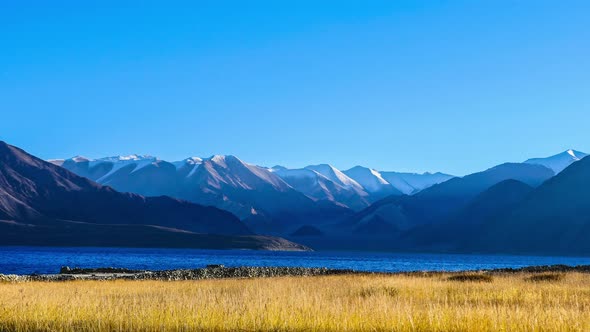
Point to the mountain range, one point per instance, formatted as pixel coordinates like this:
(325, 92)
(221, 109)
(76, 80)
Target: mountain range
(492, 211)
(537, 206)
(514, 217)
(271, 200)
(44, 204)
(510, 208)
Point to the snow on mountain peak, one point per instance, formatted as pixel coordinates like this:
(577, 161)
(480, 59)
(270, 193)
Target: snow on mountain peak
(572, 153)
(217, 158)
(131, 157)
(576, 155)
(378, 175)
(368, 178)
(193, 160)
(113, 159)
(335, 175)
(223, 160)
(79, 159)
(559, 161)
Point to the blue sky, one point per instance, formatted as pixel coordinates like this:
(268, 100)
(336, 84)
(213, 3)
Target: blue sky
(453, 86)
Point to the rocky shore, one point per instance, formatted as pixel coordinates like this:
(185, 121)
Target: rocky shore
(209, 272)
(221, 272)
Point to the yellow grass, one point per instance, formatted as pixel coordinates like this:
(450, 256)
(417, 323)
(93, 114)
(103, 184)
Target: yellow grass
(332, 303)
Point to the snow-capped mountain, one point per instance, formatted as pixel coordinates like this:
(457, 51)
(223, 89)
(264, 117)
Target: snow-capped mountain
(372, 181)
(559, 161)
(244, 189)
(412, 183)
(100, 170)
(357, 187)
(222, 181)
(218, 171)
(394, 182)
(266, 196)
(336, 176)
(337, 188)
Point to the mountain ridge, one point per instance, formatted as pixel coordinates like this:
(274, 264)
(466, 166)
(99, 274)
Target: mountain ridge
(44, 204)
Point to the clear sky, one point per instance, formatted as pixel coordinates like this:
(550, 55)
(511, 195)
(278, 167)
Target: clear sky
(453, 86)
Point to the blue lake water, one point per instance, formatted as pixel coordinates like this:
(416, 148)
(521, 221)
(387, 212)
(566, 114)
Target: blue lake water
(27, 260)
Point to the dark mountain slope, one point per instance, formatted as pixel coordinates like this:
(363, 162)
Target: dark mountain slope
(439, 202)
(461, 228)
(493, 202)
(554, 218)
(42, 203)
(46, 191)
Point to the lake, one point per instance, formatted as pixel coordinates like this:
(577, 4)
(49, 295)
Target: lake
(27, 260)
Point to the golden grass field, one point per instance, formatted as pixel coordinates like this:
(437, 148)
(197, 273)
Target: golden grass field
(330, 303)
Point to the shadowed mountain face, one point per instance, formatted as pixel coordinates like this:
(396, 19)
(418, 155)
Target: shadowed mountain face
(555, 217)
(491, 203)
(44, 204)
(513, 217)
(438, 203)
(460, 229)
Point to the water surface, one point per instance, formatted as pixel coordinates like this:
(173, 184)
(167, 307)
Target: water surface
(27, 260)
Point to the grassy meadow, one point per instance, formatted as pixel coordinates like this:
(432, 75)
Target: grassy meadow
(429, 302)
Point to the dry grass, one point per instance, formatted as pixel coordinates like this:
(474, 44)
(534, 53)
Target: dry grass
(471, 277)
(545, 277)
(333, 303)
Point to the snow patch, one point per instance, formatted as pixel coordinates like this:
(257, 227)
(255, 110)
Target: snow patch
(369, 179)
(79, 159)
(192, 172)
(335, 175)
(559, 161)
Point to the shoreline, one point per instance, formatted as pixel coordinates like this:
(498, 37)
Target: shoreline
(246, 272)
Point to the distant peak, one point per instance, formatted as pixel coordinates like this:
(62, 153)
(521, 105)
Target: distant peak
(131, 157)
(79, 159)
(222, 159)
(276, 168)
(193, 160)
(218, 158)
(359, 167)
(322, 167)
(576, 155)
